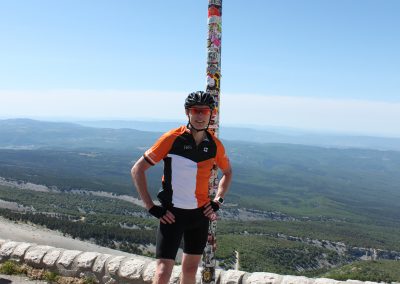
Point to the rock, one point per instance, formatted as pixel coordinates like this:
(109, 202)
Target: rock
(6, 249)
(231, 277)
(113, 265)
(131, 269)
(288, 279)
(109, 280)
(176, 275)
(35, 254)
(19, 251)
(87, 274)
(149, 271)
(67, 258)
(262, 277)
(86, 260)
(99, 263)
(218, 274)
(50, 259)
(198, 276)
(325, 281)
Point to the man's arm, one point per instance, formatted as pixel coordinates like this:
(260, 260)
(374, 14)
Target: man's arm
(139, 180)
(224, 183)
(138, 173)
(223, 188)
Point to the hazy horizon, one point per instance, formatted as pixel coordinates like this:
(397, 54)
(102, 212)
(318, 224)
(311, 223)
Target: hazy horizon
(270, 128)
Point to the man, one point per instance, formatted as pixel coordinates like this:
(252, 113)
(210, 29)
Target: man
(189, 154)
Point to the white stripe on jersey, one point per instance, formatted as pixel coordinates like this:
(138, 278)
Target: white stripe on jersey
(183, 179)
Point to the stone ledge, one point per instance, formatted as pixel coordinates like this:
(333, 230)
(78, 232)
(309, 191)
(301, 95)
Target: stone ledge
(19, 252)
(6, 250)
(110, 269)
(85, 261)
(51, 257)
(35, 255)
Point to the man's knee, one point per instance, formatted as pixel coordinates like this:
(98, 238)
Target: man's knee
(189, 269)
(190, 264)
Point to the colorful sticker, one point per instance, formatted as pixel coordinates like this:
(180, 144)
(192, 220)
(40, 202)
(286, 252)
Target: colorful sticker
(214, 11)
(214, 93)
(214, 29)
(214, 20)
(213, 56)
(214, 36)
(215, 2)
(213, 125)
(213, 81)
(212, 69)
(214, 41)
(208, 274)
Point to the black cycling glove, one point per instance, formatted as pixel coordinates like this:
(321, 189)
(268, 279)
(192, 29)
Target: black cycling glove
(214, 205)
(157, 211)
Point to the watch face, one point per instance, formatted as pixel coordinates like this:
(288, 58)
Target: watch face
(221, 200)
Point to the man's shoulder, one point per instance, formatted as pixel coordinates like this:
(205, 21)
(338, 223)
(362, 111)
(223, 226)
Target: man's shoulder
(214, 138)
(175, 132)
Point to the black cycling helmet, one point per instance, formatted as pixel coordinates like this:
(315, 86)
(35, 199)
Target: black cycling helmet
(200, 98)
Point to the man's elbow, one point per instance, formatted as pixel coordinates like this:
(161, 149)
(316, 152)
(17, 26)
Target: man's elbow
(139, 168)
(228, 173)
(135, 171)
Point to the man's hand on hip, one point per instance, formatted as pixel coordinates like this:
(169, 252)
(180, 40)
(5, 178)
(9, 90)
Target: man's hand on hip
(165, 216)
(210, 209)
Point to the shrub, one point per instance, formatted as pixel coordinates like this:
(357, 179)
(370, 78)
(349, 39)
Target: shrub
(9, 268)
(89, 280)
(50, 276)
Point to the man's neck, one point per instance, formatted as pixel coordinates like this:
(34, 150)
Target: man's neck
(198, 136)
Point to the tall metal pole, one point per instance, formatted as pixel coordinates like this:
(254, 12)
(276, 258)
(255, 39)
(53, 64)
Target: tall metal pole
(213, 87)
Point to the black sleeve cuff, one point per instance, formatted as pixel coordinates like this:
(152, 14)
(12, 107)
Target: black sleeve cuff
(148, 160)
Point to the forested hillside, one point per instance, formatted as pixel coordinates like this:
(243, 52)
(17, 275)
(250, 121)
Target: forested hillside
(298, 180)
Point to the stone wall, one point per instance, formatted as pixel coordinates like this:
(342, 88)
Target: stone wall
(108, 268)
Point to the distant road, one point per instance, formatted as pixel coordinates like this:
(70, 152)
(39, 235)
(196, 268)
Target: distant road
(20, 232)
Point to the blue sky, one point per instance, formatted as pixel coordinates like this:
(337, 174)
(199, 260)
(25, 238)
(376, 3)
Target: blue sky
(318, 65)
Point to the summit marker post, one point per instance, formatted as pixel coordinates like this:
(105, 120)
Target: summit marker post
(213, 87)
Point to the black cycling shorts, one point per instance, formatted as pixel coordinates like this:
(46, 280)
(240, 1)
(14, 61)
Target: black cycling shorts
(192, 224)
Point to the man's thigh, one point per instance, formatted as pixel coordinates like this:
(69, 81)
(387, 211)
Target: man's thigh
(169, 237)
(195, 239)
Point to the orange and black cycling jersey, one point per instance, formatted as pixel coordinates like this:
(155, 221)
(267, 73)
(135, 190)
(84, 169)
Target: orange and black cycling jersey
(187, 166)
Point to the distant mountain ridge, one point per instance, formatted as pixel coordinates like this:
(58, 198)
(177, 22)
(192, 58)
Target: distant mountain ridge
(272, 135)
(33, 134)
(123, 133)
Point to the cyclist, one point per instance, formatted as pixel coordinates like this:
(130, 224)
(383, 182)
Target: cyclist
(189, 154)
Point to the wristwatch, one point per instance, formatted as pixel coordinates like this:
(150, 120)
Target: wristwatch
(220, 200)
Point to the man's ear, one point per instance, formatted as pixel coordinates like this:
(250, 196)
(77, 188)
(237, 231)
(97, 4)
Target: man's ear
(187, 111)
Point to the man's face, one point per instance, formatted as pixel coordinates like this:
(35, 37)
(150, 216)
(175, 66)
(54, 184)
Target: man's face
(199, 116)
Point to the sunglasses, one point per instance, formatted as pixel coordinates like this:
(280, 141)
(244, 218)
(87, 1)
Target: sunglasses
(197, 111)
